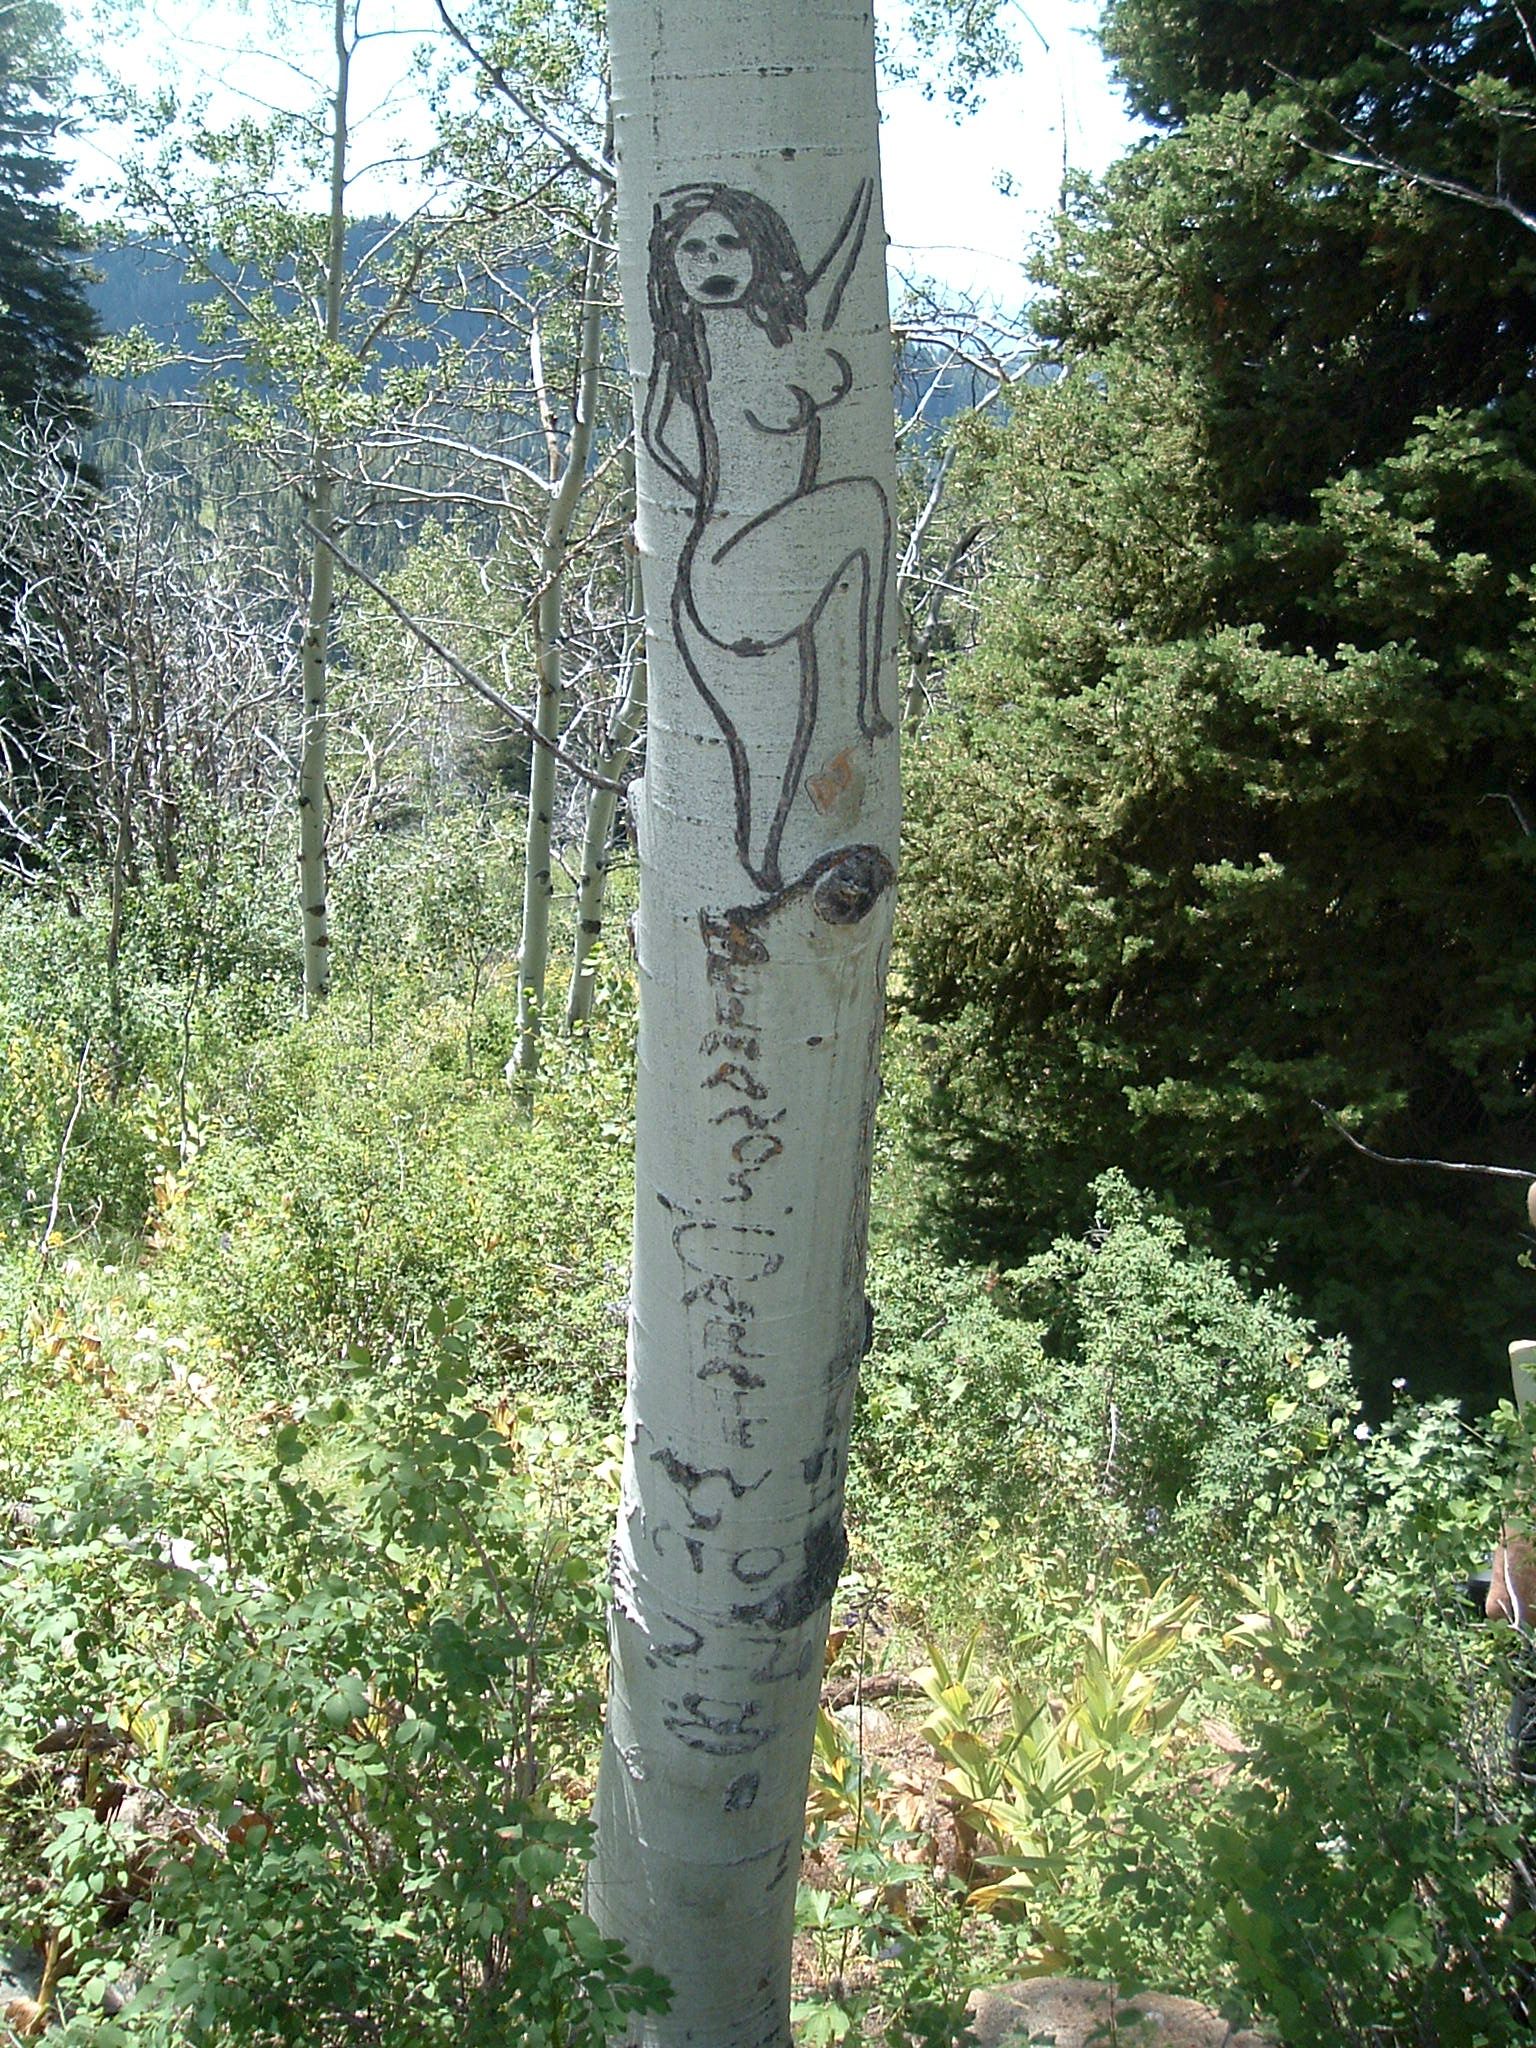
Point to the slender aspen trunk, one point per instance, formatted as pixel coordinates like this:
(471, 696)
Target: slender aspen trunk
(597, 837)
(566, 488)
(314, 655)
(314, 881)
(538, 854)
(752, 261)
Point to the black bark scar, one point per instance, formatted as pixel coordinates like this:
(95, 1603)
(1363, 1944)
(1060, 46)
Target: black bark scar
(826, 1552)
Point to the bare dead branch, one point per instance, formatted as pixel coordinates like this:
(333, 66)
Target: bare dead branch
(69, 1131)
(471, 678)
(1520, 1173)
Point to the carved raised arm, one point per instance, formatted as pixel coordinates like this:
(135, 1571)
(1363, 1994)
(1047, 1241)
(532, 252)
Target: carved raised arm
(829, 280)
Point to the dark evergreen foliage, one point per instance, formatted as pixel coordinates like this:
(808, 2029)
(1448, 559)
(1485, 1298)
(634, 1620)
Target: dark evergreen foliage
(1233, 811)
(46, 323)
(46, 331)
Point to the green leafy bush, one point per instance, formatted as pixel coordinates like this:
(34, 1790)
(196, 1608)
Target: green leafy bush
(886, 1926)
(111, 1026)
(1122, 1395)
(1346, 1863)
(284, 1727)
(428, 912)
(352, 1185)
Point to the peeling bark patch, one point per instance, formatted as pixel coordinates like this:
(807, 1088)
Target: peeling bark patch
(622, 1584)
(825, 789)
(826, 1551)
(741, 1793)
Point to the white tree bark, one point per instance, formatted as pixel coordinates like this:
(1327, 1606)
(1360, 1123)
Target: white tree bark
(752, 261)
(568, 475)
(314, 652)
(314, 735)
(597, 833)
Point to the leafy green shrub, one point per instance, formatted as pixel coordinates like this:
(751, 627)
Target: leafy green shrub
(109, 1029)
(888, 1930)
(1122, 1395)
(284, 1727)
(1196, 1398)
(1035, 1782)
(46, 1404)
(431, 910)
(1346, 1866)
(351, 1186)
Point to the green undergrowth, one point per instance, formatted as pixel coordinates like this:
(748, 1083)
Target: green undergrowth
(1120, 1397)
(301, 1657)
(293, 1721)
(1284, 1790)
(353, 1186)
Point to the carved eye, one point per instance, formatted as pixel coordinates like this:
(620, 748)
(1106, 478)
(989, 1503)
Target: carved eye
(729, 241)
(694, 246)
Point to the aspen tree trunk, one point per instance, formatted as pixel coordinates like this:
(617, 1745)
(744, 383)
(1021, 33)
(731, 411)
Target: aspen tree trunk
(751, 254)
(566, 484)
(597, 835)
(314, 880)
(314, 652)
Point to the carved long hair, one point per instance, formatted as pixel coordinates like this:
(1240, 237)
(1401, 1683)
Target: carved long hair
(775, 298)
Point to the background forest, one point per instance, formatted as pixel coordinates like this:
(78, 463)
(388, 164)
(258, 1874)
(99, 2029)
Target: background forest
(1186, 1421)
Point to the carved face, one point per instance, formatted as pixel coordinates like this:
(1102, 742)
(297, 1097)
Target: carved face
(714, 263)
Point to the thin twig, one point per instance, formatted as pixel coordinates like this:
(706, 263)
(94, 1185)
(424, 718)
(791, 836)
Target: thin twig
(471, 678)
(69, 1131)
(577, 154)
(1450, 188)
(1503, 796)
(1441, 1165)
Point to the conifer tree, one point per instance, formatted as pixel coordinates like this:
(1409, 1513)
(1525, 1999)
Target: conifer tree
(46, 331)
(1248, 738)
(46, 324)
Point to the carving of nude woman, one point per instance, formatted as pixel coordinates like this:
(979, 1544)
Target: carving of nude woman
(741, 378)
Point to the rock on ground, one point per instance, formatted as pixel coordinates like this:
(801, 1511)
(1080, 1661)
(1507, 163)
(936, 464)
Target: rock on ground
(1072, 2012)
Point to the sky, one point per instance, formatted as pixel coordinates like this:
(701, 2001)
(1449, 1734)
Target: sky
(947, 212)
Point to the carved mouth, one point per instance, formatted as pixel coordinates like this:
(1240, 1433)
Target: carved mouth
(719, 287)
